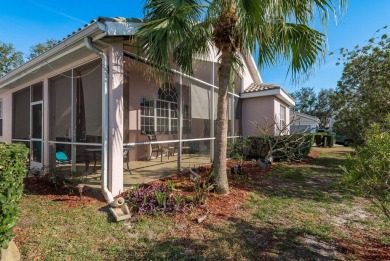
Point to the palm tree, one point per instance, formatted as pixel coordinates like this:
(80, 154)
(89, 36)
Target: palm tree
(178, 31)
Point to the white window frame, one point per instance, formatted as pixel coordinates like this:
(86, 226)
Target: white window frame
(161, 114)
(150, 116)
(282, 118)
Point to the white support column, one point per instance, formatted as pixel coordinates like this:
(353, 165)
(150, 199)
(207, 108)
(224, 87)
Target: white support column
(45, 122)
(212, 105)
(74, 122)
(232, 116)
(180, 125)
(115, 137)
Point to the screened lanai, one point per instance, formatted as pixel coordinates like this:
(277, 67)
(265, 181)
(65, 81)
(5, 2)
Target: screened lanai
(154, 112)
(75, 118)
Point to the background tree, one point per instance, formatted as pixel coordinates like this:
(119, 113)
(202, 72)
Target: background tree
(180, 31)
(319, 105)
(363, 92)
(305, 100)
(40, 48)
(324, 107)
(9, 58)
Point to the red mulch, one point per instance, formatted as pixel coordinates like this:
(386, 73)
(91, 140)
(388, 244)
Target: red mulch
(313, 155)
(369, 250)
(217, 206)
(68, 198)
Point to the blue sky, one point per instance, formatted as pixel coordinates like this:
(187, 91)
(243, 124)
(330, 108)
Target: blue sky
(27, 22)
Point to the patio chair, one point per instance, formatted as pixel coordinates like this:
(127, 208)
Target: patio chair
(126, 157)
(184, 147)
(157, 148)
(62, 158)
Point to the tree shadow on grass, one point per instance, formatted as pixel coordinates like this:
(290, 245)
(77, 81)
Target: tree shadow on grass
(238, 240)
(331, 163)
(319, 181)
(41, 187)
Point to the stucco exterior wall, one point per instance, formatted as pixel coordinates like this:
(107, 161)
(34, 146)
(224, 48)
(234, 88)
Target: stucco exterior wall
(256, 109)
(140, 83)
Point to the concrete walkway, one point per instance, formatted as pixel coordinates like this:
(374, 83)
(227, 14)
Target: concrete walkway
(11, 253)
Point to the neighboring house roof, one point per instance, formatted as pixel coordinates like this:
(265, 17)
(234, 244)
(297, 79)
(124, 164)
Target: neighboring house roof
(258, 89)
(304, 117)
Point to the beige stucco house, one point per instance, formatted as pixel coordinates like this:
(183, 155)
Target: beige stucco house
(265, 106)
(89, 104)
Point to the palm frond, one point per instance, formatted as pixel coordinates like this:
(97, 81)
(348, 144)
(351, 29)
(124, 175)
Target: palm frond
(169, 25)
(282, 31)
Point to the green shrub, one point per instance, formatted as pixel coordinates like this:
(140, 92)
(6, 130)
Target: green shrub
(12, 171)
(324, 138)
(332, 140)
(285, 147)
(318, 139)
(311, 135)
(235, 148)
(368, 170)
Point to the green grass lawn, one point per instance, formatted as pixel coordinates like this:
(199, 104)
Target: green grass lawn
(293, 212)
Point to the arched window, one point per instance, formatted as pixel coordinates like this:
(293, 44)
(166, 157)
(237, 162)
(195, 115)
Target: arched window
(166, 109)
(160, 115)
(168, 92)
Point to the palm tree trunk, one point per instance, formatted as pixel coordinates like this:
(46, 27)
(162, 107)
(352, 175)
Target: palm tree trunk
(219, 165)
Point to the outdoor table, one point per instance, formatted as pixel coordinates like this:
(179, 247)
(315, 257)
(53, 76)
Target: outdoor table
(98, 151)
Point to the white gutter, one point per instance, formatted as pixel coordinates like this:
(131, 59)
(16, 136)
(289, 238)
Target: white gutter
(107, 194)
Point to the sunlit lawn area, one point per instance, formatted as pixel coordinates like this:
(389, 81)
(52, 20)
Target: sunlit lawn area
(292, 212)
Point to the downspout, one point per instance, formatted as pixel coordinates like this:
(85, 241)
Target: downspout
(107, 194)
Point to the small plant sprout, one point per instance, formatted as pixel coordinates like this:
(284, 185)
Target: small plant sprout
(170, 185)
(161, 198)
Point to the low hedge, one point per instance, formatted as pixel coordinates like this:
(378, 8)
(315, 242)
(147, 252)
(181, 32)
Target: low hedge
(12, 171)
(327, 140)
(284, 148)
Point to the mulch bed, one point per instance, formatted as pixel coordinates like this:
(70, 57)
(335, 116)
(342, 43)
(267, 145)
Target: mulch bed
(218, 207)
(366, 250)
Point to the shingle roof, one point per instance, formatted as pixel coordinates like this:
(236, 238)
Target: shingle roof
(257, 87)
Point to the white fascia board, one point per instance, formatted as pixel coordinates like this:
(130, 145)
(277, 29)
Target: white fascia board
(251, 64)
(55, 53)
(286, 98)
(274, 92)
(279, 93)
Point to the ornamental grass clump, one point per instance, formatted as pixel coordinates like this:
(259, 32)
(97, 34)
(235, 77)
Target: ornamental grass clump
(12, 171)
